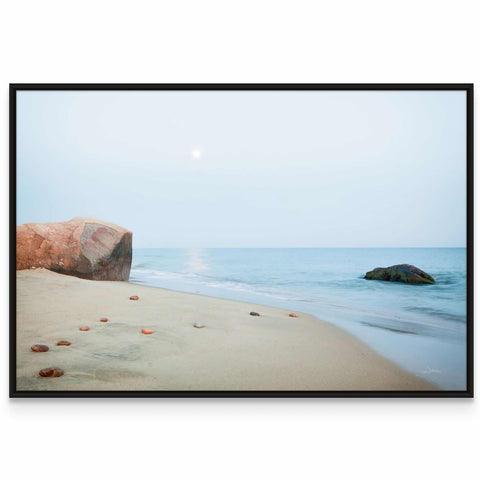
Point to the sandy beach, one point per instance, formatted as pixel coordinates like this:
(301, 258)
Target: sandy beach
(234, 351)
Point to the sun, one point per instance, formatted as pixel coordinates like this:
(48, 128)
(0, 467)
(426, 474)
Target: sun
(197, 153)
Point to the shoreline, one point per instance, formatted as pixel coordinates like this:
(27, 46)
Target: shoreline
(235, 351)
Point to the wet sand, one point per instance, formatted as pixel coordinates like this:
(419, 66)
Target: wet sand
(234, 351)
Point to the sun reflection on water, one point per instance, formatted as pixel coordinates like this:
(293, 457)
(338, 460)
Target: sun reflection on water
(196, 261)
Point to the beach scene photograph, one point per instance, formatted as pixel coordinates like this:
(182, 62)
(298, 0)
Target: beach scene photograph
(240, 240)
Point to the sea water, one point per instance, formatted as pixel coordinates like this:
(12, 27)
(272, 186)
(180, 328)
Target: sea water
(420, 327)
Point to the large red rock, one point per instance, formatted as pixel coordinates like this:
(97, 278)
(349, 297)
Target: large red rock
(82, 247)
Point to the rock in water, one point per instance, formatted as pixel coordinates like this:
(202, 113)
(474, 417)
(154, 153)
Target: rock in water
(400, 273)
(82, 247)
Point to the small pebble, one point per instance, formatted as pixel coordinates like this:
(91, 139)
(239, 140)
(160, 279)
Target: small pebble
(63, 342)
(198, 325)
(147, 331)
(104, 320)
(134, 297)
(254, 314)
(51, 372)
(40, 348)
(293, 315)
(84, 329)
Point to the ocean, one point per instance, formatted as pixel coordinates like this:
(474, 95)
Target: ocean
(420, 327)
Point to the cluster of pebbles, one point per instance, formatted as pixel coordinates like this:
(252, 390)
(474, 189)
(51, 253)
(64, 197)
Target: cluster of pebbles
(58, 372)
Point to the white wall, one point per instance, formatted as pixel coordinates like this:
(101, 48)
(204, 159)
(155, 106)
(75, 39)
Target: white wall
(247, 41)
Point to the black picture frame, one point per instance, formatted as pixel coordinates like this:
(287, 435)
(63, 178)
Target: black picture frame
(467, 393)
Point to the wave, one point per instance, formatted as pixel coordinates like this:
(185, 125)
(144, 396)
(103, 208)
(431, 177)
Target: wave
(140, 265)
(225, 283)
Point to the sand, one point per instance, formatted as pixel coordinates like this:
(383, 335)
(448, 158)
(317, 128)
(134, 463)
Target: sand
(235, 351)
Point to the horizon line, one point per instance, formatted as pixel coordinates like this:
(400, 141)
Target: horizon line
(197, 247)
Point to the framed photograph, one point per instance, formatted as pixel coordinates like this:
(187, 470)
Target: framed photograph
(241, 240)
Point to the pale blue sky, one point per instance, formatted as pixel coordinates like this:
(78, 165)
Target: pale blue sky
(248, 169)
